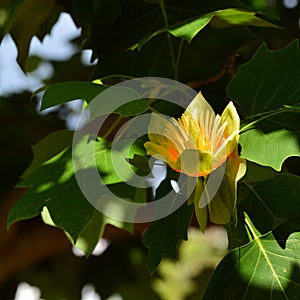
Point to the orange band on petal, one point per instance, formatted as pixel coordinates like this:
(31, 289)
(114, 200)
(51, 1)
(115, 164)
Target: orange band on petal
(173, 154)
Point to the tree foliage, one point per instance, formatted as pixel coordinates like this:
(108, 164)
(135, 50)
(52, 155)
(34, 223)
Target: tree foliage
(230, 50)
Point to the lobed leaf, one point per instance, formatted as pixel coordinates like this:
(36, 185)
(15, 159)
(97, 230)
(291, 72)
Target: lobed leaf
(53, 185)
(274, 147)
(272, 202)
(267, 88)
(163, 235)
(259, 270)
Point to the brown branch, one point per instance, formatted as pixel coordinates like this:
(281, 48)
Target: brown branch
(228, 69)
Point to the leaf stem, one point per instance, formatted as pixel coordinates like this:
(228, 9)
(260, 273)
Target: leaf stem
(113, 126)
(163, 10)
(116, 76)
(249, 227)
(178, 59)
(154, 110)
(249, 125)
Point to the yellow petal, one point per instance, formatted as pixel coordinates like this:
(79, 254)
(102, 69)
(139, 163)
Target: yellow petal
(199, 106)
(231, 131)
(163, 153)
(163, 130)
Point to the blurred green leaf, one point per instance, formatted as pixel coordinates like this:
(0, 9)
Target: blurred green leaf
(31, 14)
(264, 87)
(197, 258)
(32, 63)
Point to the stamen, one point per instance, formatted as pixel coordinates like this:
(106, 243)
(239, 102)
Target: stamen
(219, 137)
(215, 127)
(174, 136)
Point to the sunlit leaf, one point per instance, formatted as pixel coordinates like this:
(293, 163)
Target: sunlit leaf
(50, 183)
(49, 147)
(274, 146)
(259, 270)
(61, 92)
(233, 16)
(220, 19)
(53, 184)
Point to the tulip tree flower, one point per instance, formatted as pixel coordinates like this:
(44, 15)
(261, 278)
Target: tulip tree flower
(197, 144)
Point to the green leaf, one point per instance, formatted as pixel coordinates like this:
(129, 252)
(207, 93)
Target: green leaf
(158, 56)
(133, 108)
(233, 16)
(53, 185)
(220, 19)
(27, 20)
(273, 201)
(274, 147)
(94, 230)
(268, 81)
(237, 233)
(257, 173)
(293, 107)
(259, 270)
(189, 30)
(163, 235)
(48, 147)
(61, 92)
(267, 88)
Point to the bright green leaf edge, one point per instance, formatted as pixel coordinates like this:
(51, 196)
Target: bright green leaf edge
(62, 92)
(188, 29)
